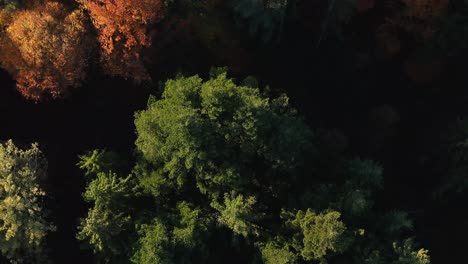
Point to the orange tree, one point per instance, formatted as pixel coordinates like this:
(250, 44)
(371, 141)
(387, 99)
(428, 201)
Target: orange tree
(122, 27)
(46, 48)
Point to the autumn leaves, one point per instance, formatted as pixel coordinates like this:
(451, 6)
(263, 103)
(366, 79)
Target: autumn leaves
(122, 26)
(48, 47)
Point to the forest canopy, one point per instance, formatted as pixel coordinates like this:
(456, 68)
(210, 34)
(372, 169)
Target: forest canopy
(328, 131)
(217, 160)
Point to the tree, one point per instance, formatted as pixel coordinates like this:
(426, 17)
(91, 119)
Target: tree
(122, 27)
(46, 49)
(202, 140)
(223, 166)
(223, 136)
(23, 223)
(100, 160)
(109, 221)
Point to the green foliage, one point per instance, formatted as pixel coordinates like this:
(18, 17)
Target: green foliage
(318, 233)
(217, 132)
(23, 224)
(109, 219)
(154, 245)
(407, 254)
(9, 7)
(99, 161)
(369, 236)
(108, 188)
(275, 252)
(364, 177)
(101, 229)
(354, 196)
(238, 214)
(365, 174)
(177, 239)
(214, 154)
(192, 224)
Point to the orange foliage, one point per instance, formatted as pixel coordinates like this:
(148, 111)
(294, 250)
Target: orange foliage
(46, 49)
(122, 27)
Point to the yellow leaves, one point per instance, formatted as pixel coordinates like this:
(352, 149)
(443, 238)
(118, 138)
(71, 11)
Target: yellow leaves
(22, 223)
(51, 47)
(360, 232)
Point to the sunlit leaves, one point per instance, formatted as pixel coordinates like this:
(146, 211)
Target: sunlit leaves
(176, 238)
(318, 233)
(216, 132)
(238, 214)
(46, 49)
(23, 225)
(275, 252)
(97, 161)
(122, 26)
(408, 254)
(108, 219)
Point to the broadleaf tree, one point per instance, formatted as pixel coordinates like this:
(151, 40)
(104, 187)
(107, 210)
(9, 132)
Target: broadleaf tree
(122, 27)
(46, 48)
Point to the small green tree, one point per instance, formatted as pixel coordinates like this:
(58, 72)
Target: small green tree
(109, 221)
(23, 224)
(96, 161)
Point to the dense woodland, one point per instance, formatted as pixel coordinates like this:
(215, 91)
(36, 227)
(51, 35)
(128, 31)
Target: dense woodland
(233, 131)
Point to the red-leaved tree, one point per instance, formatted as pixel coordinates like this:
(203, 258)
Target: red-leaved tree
(122, 27)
